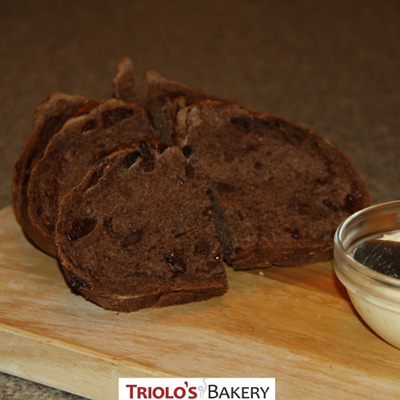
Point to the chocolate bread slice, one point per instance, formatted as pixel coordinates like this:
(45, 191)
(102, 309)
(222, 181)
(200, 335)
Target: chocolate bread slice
(164, 98)
(70, 153)
(48, 118)
(279, 190)
(138, 232)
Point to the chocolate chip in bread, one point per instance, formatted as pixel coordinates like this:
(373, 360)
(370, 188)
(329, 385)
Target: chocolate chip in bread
(138, 232)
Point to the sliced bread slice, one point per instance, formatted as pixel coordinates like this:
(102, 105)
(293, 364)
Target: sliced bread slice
(279, 190)
(138, 232)
(70, 153)
(48, 118)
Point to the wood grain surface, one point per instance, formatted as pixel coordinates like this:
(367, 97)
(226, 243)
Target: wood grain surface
(295, 324)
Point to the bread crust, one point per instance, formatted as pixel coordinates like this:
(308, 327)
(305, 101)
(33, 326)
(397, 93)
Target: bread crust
(124, 86)
(49, 117)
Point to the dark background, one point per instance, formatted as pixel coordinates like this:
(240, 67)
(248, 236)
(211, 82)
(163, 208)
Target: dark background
(333, 65)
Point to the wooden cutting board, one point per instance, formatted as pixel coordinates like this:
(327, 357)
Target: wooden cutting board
(293, 324)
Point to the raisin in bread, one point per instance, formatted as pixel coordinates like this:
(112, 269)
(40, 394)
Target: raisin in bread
(48, 118)
(82, 142)
(279, 190)
(164, 98)
(137, 232)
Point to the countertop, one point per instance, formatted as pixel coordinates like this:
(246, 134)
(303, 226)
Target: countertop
(332, 65)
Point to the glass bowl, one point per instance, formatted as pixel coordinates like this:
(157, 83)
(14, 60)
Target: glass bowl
(375, 296)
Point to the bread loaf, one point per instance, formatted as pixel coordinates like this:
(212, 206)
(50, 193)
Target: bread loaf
(137, 224)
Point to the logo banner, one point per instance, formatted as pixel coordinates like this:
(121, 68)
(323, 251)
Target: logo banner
(197, 388)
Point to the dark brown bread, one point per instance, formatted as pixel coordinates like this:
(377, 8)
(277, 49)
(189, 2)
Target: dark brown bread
(48, 118)
(138, 232)
(137, 225)
(82, 142)
(279, 190)
(164, 98)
